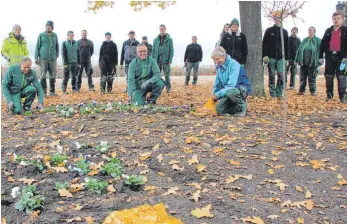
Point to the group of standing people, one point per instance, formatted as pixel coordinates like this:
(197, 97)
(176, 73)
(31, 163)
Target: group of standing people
(143, 64)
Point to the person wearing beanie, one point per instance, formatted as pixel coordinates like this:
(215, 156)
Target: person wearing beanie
(272, 54)
(86, 50)
(46, 54)
(163, 52)
(70, 55)
(148, 45)
(108, 62)
(14, 47)
(293, 45)
(128, 53)
(235, 43)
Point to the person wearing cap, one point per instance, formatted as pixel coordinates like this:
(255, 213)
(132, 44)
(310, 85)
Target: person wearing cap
(14, 47)
(128, 53)
(108, 62)
(308, 59)
(334, 48)
(46, 54)
(148, 45)
(20, 81)
(86, 50)
(192, 58)
(163, 53)
(293, 45)
(144, 77)
(235, 43)
(70, 55)
(272, 55)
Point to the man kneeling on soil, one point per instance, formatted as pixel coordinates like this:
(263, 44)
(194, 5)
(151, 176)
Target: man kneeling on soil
(231, 86)
(21, 82)
(143, 77)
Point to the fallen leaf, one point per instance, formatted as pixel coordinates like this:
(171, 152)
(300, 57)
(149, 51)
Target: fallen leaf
(196, 196)
(300, 220)
(114, 154)
(89, 219)
(27, 181)
(235, 163)
(60, 169)
(150, 188)
(176, 167)
(195, 185)
(336, 188)
(255, 220)
(200, 168)
(308, 194)
(77, 219)
(193, 160)
(339, 176)
(273, 217)
(81, 128)
(298, 188)
(171, 190)
(192, 139)
(110, 188)
(156, 147)
(78, 207)
(93, 172)
(166, 140)
(174, 162)
(318, 145)
(218, 150)
(342, 182)
(271, 171)
(10, 179)
(160, 158)
(145, 155)
(204, 212)
(64, 193)
(309, 204)
(3, 221)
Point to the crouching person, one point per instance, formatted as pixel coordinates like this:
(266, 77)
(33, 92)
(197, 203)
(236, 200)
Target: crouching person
(144, 76)
(21, 82)
(231, 86)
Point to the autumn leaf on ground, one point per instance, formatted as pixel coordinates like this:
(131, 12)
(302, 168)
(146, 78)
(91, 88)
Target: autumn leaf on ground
(196, 196)
(218, 150)
(59, 169)
(114, 154)
(273, 217)
(235, 177)
(160, 157)
(145, 155)
(271, 171)
(77, 207)
(174, 162)
(342, 182)
(176, 167)
(298, 188)
(10, 179)
(76, 187)
(166, 140)
(156, 147)
(110, 188)
(308, 194)
(27, 181)
(150, 188)
(204, 212)
(255, 220)
(300, 220)
(309, 204)
(93, 172)
(77, 219)
(200, 168)
(192, 139)
(64, 193)
(195, 185)
(89, 219)
(3, 221)
(171, 190)
(193, 160)
(318, 145)
(235, 163)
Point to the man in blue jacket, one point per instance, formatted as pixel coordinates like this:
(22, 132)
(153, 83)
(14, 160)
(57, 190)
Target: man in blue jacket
(231, 86)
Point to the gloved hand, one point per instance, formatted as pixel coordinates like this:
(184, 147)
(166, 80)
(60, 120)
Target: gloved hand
(66, 66)
(40, 106)
(121, 67)
(10, 106)
(145, 84)
(344, 60)
(321, 61)
(37, 61)
(78, 66)
(130, 100)
(266, 59)
(287, 63)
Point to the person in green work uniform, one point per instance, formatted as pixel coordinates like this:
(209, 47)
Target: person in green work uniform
(308, 58)
(163, 52)
(14, 47)
(46, 54)
(70, 55)
(21, 82)
(143, 77)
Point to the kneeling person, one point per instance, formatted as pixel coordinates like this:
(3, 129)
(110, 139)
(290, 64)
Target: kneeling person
(143, 77)
(231, 86)
(21, 82)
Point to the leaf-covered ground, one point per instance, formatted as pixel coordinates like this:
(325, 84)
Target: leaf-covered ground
(224, 169)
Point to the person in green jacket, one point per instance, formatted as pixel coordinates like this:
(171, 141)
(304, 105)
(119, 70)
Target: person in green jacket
(163, 52)
(308, 58)
(70, 53)
(14, 47)
(46, 54)
(143, 77)
(21, 82)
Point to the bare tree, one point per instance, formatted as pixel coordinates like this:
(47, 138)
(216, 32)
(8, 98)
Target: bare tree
(282, 10)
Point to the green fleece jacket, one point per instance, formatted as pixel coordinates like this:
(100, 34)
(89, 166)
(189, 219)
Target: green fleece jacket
(15, 81)
(47, 47)
(141, 71)
(315, 42)
(168, 49)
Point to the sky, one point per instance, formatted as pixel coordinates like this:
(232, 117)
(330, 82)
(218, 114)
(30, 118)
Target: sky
(204, 19)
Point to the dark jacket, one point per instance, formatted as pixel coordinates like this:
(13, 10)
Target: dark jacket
(149, 49)
(294, 43)
(325, 44)
(272, 45)
(108, 53)
(86, 50)
(193, 53)
(235, 45)
(129, 51)
(70, 52)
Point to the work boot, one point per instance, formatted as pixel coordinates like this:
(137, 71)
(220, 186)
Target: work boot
(152, 102)
(92, 89)
(313, 94)
(291, 87)
(240, 114)
(52, 94)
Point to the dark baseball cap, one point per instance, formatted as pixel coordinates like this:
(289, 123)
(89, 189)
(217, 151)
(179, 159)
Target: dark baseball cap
(144, 38)
(131, 31)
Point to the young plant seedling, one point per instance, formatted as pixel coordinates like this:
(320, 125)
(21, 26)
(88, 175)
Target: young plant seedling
(102, 147)
(30, 200)
(59, 185)
(37, 163)
(113, 168)
(134, 182)
(83, 146)
(96, 185)
(82, 167)
(58, 158)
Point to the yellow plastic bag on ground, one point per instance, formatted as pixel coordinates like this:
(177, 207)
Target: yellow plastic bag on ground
(144, 214)
(210, 104)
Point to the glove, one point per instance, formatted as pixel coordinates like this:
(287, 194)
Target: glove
(321, 61)
(130, 100)
(10, 106)
(287, 63)
(121, 67)
(65, 66)
(145, 84)
(37, 61)
(78, 66)
(344, 60)
(266, 59)
(40, 106)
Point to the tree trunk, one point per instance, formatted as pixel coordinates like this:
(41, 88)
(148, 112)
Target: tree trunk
(250, 18)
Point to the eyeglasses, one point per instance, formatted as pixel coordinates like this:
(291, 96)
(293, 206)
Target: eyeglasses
(143, 51)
